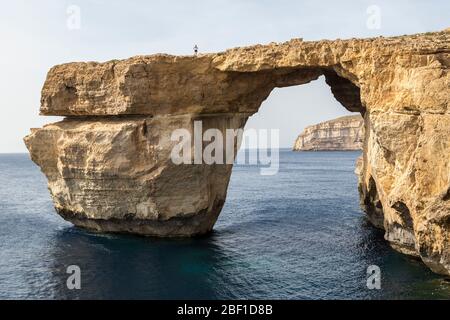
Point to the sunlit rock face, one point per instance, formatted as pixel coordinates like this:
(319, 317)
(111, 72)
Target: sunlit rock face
(341, 134)
(108, 163)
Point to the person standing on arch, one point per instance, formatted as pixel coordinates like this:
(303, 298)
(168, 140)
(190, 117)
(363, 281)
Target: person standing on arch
(196, 50)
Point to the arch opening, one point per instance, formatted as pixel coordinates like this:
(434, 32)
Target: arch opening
(303, 101)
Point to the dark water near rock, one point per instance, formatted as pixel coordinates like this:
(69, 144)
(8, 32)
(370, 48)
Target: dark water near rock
(297, 235)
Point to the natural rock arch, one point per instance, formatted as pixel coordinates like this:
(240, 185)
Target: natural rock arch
(108, 163)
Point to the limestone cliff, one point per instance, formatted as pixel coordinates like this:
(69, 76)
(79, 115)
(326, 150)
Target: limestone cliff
(108, 164)
(341, 134)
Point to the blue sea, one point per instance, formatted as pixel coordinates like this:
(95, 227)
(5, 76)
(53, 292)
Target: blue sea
(299, 234)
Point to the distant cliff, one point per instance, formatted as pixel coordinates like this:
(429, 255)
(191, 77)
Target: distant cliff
(345, 133)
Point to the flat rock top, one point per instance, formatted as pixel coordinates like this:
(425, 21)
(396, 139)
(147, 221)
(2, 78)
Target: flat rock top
(344, 119)
(166, 84)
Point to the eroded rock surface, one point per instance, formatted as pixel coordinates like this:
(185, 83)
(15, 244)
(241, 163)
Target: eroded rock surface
(341, 134)
(108, 163)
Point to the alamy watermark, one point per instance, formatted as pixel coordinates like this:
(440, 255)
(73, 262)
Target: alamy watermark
(373, 278)
(73, 21)
(213, 146)
(74, 280)
(373, 21)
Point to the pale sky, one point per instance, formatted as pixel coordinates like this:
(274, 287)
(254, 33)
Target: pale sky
(34, 37)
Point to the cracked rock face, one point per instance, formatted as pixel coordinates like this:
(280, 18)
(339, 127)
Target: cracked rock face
(108, 163)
